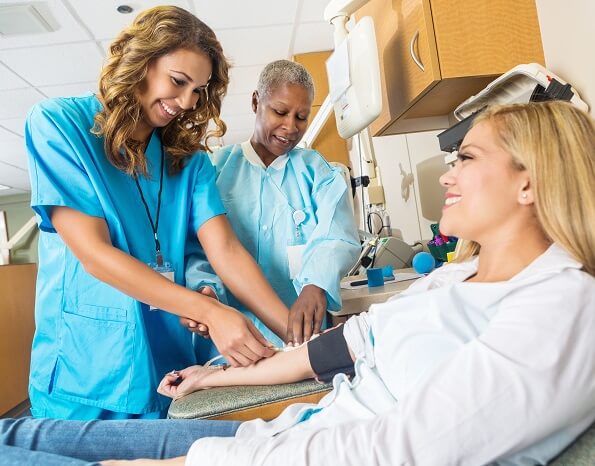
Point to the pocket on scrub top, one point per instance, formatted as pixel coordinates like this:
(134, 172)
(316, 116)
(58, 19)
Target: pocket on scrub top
(94, 364)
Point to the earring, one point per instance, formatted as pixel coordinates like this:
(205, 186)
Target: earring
(524, 195)
(194, 107)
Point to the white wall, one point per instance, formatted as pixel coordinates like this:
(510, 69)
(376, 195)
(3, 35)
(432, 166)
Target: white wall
(412, 206)
(568, 37)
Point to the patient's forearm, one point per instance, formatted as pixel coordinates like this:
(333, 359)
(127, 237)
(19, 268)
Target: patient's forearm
(283, 367)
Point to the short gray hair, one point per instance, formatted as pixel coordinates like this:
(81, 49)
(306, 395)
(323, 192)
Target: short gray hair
(281, 72)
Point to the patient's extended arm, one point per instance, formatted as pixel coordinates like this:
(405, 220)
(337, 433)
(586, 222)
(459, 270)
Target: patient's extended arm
(283, 367)
(321, 357)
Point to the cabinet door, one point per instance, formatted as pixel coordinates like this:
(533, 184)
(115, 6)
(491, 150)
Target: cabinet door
(407, 54)
(461, 45)
(485, 37)
(419, 68)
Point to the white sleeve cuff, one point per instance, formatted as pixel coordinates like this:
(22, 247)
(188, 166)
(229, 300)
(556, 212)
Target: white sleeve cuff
(356, 334)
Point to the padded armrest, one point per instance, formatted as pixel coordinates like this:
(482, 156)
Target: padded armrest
(243, 403)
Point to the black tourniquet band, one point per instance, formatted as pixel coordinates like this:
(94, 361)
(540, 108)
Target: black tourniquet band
(329, 355)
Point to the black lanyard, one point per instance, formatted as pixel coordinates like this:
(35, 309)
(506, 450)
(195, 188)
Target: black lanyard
(154, 226)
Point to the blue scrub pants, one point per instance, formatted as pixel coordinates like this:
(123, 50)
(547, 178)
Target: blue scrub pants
(51, 442)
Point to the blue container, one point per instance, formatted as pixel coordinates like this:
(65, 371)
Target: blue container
(387, 272)
(375, 277)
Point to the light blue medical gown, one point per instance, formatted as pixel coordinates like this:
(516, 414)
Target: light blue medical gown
(93, 344)
(260, 203)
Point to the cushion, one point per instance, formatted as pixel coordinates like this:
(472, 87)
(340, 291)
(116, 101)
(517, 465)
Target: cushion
(229, 402)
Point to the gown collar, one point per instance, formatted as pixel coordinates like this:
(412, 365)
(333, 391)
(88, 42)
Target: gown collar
(254, 159)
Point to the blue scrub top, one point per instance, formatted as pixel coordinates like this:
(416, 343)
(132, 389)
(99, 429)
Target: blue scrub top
(94, 344)
(261, 202)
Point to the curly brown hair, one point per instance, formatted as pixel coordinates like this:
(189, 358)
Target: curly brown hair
(154, 33)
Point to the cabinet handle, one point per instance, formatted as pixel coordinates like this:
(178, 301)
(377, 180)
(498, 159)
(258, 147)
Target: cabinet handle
(412, 52)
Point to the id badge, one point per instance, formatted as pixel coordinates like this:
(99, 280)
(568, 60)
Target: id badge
(294, 259)
(165, 270)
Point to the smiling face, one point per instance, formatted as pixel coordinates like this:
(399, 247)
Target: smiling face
(281, 120)
(485, 192)
(174, 83)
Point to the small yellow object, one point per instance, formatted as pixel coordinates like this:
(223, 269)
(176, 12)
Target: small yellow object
(450, 256)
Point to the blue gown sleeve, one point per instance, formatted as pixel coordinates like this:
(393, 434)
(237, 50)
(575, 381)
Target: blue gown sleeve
(333, 246)
(57, 151)
(199, 273)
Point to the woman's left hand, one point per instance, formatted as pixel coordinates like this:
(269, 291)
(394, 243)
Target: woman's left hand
(306, 315)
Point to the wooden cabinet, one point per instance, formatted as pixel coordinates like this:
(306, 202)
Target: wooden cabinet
(328, 142)
(435, 53)
(17, 301)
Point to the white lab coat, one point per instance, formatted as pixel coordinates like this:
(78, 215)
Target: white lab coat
(449, 372)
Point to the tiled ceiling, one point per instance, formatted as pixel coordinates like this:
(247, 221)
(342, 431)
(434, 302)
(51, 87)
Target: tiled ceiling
(68, 61)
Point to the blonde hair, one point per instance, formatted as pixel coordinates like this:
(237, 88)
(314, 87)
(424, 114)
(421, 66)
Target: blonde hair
(555, 142)
(156, 32)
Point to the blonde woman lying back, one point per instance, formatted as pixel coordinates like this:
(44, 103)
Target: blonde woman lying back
(490, 360)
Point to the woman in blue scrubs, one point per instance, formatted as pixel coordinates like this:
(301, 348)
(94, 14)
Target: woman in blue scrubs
(124, 191)
(288, 206)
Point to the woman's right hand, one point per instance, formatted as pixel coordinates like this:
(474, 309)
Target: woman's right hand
(236, 337)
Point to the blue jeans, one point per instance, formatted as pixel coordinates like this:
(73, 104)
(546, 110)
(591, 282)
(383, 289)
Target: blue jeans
(51, 442)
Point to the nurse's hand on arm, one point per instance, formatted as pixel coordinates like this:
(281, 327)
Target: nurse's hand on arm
(306, 314)
(89, 240)
(240, 273)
